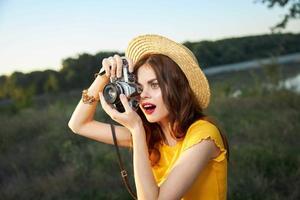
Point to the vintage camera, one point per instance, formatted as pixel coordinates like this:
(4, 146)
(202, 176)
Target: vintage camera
(126, 85)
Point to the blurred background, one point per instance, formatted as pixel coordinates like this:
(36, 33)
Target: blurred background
(49, 51)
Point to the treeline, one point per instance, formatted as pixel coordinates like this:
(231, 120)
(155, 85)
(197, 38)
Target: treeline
(233, 50)
(77, 73)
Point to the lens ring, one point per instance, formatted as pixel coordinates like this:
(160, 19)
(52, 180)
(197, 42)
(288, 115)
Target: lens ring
(111, 93)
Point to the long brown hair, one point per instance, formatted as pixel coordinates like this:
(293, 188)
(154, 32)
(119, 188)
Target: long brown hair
(179, 100)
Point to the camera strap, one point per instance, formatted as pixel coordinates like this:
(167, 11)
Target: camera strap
(123, 171)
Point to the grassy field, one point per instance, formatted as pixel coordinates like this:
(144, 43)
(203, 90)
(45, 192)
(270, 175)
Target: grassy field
(40, 158)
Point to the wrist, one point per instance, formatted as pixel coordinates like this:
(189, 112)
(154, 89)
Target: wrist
(101, 78)
(138, 136)
(87, 98)
(138, 127)
(98, 84)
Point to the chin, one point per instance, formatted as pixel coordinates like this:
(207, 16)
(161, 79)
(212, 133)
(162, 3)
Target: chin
(151, 119)
(154, 119)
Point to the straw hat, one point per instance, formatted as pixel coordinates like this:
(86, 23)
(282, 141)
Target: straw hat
(185, 59)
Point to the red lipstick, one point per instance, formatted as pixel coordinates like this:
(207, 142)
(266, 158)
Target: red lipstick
(149, 108)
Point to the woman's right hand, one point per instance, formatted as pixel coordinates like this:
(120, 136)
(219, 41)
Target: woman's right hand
(113, 66)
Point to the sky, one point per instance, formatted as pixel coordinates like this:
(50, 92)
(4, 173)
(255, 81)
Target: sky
(39, 34)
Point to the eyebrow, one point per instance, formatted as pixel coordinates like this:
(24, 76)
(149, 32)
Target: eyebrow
(150, 81)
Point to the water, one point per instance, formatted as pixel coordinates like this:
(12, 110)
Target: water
(295, 57)
(292, 84)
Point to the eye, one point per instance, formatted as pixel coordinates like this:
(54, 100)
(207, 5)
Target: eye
(139, 88)
(154, 85)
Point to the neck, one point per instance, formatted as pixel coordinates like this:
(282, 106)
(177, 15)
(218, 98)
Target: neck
(167, 131)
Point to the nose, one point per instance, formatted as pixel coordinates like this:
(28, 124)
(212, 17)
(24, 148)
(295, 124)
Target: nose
(144, 94)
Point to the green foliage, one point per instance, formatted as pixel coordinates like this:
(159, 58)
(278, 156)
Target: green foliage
(3, 94)
(22, 98)
(20, 91)
(51, 84)
(235, 50)
(272, 72)
(41, 158)
(263, 132)
(78, 72)
(262, 126)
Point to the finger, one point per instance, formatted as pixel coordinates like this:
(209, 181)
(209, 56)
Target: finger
(113, 65)
(103, 102)
(105, 64)
(107, 108)
(130, 65)
(125, 103)
(119, 65)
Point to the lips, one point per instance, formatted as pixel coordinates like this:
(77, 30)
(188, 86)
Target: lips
(149, 108)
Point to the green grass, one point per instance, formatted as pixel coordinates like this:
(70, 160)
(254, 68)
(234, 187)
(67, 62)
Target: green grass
(263, 133)
(40, 158)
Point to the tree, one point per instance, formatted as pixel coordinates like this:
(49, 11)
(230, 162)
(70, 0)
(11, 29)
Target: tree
(51, 84)
(293, 13)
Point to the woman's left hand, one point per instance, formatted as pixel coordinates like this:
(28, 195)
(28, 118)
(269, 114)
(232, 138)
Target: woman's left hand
(130, 119)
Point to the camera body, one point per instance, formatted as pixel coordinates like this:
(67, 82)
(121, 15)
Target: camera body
(126, 85)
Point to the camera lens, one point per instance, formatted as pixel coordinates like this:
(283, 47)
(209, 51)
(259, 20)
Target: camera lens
(135, 104)
(111, 93)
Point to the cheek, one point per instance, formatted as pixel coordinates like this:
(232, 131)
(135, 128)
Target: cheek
(159, 99)
(158, 96)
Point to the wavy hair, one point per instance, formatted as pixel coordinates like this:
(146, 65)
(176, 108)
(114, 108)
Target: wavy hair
(178, 98)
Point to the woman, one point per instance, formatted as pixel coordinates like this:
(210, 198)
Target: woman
(177, 152)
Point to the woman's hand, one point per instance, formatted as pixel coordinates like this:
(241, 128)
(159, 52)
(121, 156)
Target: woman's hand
(113, 66)
(130, 119)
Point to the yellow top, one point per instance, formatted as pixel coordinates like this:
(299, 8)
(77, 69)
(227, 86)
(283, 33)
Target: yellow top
(211, 183)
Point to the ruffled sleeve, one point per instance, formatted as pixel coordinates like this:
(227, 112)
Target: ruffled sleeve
(201, 130)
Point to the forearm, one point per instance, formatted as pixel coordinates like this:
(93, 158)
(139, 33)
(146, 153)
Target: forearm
(85, 112)
(145, 183)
